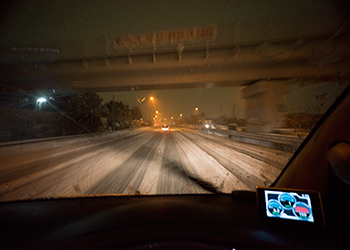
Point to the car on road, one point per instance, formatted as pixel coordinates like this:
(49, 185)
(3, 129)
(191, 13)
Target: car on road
(165, 128)
(232, 126)
(209, 125)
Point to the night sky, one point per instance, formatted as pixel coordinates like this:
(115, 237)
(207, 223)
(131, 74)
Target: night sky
(173, 102)
(40, 22)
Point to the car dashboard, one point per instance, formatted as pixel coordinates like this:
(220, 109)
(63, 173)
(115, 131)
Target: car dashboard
(200, 221)
(191, 221)
(224, 221)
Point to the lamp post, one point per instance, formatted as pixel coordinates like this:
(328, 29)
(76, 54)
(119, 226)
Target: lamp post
(149, 108)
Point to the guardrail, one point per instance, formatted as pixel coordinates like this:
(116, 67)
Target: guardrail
(284, 142)
(287, 143)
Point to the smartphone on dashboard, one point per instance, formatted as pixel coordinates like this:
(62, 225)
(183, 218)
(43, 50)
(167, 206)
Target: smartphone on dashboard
(276, 204)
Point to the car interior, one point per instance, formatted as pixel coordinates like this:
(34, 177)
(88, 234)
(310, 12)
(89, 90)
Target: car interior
(315, 182)
(221, 221)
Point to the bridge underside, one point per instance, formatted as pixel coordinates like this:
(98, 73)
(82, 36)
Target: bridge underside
(228, 65)
(238, 45)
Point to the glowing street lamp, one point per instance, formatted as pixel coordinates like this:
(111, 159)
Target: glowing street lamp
(181, 115)
(151, 98)
(196, 109)
(41, 100)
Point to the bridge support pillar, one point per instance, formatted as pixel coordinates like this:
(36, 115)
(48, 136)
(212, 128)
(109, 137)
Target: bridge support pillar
(264, 105)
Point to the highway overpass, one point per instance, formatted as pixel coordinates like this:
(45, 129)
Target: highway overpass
(215, 43)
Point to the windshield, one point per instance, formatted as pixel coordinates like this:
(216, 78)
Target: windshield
(116, 97)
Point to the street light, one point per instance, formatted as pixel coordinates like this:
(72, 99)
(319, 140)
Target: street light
(151, 98)
(196, 109)
(41, 100)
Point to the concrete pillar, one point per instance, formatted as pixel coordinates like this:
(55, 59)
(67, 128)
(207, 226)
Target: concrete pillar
(264, 105)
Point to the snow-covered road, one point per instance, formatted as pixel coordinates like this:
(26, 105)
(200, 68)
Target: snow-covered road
(140, 161)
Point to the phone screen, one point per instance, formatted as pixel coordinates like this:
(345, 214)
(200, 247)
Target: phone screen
(288, 205)
(296, 205)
